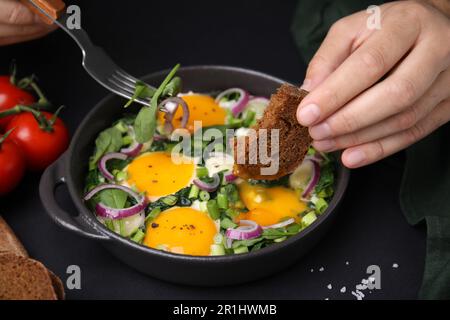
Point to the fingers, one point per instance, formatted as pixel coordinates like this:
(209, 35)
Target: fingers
(399, 122)
(335, 48)
(373, 59)
(15, 13)
(400, 90)
(371, 152)
(16, 39)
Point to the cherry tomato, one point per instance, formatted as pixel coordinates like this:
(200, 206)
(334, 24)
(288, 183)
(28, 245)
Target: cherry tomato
(40, 147)
(10, 96)
(12, 166)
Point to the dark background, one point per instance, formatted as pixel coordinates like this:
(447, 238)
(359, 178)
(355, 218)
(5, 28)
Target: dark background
(147, 36)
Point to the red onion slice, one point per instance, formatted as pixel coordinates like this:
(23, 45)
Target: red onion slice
(109, 156)
(112, 213)
(209, 187)
(248, 230)
(282, 224)
(230, 177)
(313, 181)
(133, 150)
(238, 106)
(169, 114)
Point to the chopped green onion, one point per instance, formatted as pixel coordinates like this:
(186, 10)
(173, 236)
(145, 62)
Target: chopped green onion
(232, 213)
(153, 214)
(222, 201)
(202, 172)
(241, 249)
(213, 209)
(280, 239)
(138, 236)
(203, 206)
(193, 193)
(217, 250)
(121, 176)
(226, 223)
(321, 205)
(170, 200)
(218, 238)
(204, 195)
(249, 118)
(308, 219)
(127, 140)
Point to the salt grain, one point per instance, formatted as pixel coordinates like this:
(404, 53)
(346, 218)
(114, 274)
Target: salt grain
(343, 289)
(330, 286)
(395, 265)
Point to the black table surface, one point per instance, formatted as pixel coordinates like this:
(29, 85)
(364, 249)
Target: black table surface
(147, 36)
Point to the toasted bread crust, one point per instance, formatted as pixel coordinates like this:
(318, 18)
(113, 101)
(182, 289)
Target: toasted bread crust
(22, 278)
(294, 139)
(8, 240)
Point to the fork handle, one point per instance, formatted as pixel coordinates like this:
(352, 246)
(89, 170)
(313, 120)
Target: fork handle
(53, 9)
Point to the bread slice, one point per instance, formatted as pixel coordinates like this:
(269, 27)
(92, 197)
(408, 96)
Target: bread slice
(8, 240)
(22, 278)
(294, 139)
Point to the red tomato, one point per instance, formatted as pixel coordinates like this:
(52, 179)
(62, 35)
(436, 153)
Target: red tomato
(12, 166)
(10, 96)
(40, 147)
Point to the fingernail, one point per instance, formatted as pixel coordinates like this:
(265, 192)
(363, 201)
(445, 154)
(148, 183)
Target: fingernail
(320, 132)
(355, 158)
(308, 114)
(325, 145)
(306, 85)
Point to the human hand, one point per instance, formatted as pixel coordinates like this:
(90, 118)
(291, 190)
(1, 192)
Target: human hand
(375, 92)
(18, 23)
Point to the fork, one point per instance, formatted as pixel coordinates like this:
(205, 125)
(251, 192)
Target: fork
(95, 60)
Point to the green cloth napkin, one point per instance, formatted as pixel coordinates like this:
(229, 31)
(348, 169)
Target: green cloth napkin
(425, 190)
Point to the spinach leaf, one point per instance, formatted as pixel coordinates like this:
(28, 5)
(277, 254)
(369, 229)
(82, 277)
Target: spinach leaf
(116, 140)
(326, 177)
(145, 124)
(141, 91)
(173, 88)
(109, 140)
(114, 198)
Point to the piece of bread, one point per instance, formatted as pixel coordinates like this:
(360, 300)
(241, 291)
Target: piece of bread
(22, 278)
(9, 241)
(294, 139)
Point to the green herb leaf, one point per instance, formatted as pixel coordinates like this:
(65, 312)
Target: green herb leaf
(109, 140)
(142, 91)
(144, 125)
(114, 198)
(173, 88)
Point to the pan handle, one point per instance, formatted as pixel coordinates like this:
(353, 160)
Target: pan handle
(51, 179)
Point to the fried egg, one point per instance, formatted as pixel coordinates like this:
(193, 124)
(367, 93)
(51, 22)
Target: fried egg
(201, 108)
(158, 174)
(269, 205)
(182, 230)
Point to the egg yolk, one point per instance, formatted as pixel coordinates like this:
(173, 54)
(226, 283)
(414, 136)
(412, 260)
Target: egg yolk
(182, 230)
(158, 174)
(201, 108)
(269, 206)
